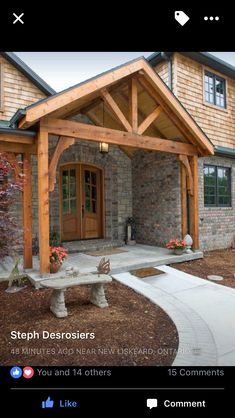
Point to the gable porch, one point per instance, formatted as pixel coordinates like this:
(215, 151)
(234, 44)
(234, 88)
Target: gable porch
(154, 147)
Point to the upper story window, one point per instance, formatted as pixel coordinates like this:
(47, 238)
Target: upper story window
(215, 89)
(217, 186)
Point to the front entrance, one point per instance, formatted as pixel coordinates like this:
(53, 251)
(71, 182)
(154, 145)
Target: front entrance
(81, 202)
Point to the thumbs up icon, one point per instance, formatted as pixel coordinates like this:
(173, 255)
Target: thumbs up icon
(48, 403)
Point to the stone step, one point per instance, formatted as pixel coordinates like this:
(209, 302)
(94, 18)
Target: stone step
(90, 245)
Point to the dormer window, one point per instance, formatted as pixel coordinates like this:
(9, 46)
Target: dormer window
(215, 90)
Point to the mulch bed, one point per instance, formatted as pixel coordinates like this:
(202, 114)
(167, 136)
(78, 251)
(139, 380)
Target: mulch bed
(218, 262)
(131, 322)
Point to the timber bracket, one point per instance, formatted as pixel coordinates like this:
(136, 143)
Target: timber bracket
(185, 161)
(63, 143)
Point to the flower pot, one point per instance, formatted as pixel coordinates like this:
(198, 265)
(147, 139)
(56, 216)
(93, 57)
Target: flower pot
(179, 251)
(54, 267)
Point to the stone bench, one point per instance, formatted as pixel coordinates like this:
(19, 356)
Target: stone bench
(59, 286)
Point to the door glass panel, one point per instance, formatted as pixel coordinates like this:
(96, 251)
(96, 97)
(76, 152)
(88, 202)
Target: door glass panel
(73, 175)
(93, 193)
(65, 177)
(87, 176)
(65, 206)
(65, 191)
(87, 189)
(72, 190)
(93, 206)
(88, 205)
(90, 179)
(93, 178)
(69, 192)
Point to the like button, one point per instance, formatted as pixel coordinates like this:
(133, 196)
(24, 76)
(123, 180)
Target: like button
(48, 403)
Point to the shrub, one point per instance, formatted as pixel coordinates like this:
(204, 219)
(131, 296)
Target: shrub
(10, 185)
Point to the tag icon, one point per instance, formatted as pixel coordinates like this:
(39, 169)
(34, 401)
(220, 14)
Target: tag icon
(181, 17)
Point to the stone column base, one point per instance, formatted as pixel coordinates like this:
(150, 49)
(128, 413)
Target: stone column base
(58, 307)
(97, 296)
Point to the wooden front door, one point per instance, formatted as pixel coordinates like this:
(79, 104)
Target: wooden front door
(81, 202)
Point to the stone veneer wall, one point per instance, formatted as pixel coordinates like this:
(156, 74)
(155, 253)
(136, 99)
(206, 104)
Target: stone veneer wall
(156, 197)
(217, 225)
(154, 182)
(117, 186)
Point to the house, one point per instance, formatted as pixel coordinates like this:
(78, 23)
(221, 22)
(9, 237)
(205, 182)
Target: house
(168, 126)
(205, 86)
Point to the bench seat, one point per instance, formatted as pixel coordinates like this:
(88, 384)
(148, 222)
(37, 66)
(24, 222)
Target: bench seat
(60, 285)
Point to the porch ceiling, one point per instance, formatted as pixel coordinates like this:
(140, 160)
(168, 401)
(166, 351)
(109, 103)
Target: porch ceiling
(107, 100)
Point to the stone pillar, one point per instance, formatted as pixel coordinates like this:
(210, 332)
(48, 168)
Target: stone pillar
(97, 296)
(58, 307)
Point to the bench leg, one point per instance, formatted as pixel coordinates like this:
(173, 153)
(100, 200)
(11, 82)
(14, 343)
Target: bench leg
(97, 296)
(58, 307)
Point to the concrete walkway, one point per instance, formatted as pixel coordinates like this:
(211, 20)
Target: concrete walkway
(203, 312)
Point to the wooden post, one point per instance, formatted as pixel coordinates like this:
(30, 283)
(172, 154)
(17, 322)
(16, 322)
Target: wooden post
(183, 188)
(27, 211)
(43, 201)
(133, 99)
(194, 211)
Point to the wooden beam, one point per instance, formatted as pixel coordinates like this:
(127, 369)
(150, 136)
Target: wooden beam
(17, 148)
(112, 136)
(116, 110)
(183, 192)
(94, 118)
(133, 100)
(149, 119)
(125, 100)
(184, 160)
(43, 201)
(71, 97)
(19, 139)
(62, 144)
(194, 210)
(27, 211)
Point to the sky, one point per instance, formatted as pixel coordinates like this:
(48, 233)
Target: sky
(64, 69)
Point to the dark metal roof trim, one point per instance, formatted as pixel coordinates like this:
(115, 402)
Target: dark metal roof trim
(204, 58)
(20, 113)
(28, 72)
(21, 132)
(157, 57)
(224, 151)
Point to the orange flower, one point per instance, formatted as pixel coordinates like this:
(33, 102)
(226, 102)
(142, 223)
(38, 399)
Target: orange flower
(57, 254)
(176, 244)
